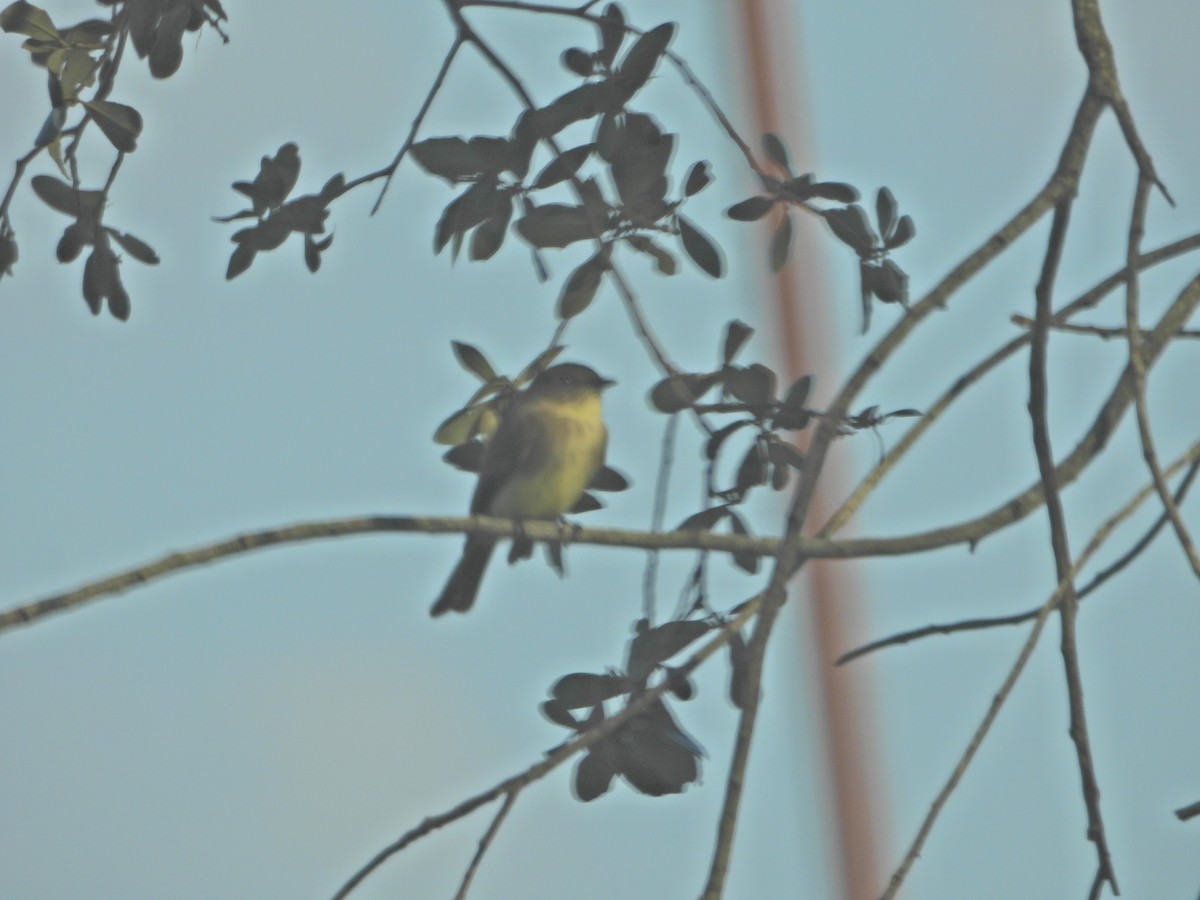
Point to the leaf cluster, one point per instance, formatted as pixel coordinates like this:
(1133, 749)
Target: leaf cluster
(620, 176)
(651, 751)
(279, 217)
(879, 275)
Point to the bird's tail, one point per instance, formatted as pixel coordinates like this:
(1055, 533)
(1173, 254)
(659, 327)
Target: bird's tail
(459, 592)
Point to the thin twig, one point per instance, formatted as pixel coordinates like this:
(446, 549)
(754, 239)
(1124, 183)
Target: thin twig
(1137, 221)
(486, 841)
(1103, 332)
(665, 461)
(557, 757)
(1191, 459)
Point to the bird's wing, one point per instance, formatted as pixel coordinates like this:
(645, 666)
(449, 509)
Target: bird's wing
(520, 438)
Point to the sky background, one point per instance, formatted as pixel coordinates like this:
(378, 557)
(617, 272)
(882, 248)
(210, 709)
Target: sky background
(261, 727)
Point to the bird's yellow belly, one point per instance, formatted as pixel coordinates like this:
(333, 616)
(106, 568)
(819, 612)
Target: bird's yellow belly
(554, 489)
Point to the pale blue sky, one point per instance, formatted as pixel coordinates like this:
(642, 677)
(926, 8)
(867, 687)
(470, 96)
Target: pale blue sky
(261, 727)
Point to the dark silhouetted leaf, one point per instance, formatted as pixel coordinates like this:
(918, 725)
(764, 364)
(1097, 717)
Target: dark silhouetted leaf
(240, 260)
(784, 454)
(680, 391)
(612, 33)
(559, 714)
(643, 56)
(664, 262)
(585, 503)
(456, 160)
(704, 520)
(751, 209)
(467, 456)
(135, 247)
(699, 177)
(60, 196)
(737, 333)
(850, 225)
(52, 127)
(905, 230)
(753, 470)
(121, 124)
(577, 61)
(792, 414)
(776, 152)
(717, 439)
(595, 772)
(608, 479)
(680, 685)
(554, 225)
(781, 243)
(478, 203)
(581, 689)
(754, 385)
(885, 213)
(639, 167)
(581, 286)
(700, 248)
(837, 191)
(490, 234)
(746, 561)
(563, 167)
(72, 242)
(576, 105)
(655, 755)
(471, 359)
(892, 286)
(608, 137)
(740, 691)
(8, 253)
(656, 645)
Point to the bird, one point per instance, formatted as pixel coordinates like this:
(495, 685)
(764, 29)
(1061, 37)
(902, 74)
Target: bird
(549, 445)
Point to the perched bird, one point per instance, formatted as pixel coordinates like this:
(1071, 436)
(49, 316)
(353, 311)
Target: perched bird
(546, 450)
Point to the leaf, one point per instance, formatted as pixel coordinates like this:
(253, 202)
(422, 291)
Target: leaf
(608, 479)
(25, 18)
(612, 33)
(578, 61)
(739, 664)
(135, 247)
(562, 167)
(791, 414)
(490, 234)
(655, 755)
(850, 225)
(453, 158)
(71, 244)
(751, 208)
(754, 385)
(240, 260)
(478, 203)
(312, 255)
(704, 520)
(747, 562)
(467, 456)
(585, 503)
(121, 124)
(679, 391)
(781, 243)
(643, 56)
(595, 773)
(753, 470)
(837, 191)
(885, 213)
(905, 231)
(639, 166)
(8, 253)
(699, 177)
(60, 196)
(554, 225)
(582, 689)
(52, 127)
(776, 152)
(471, 359)
(700, 248)
(717, 439)
(737, 333)
(653, 646)
(575, 105)
(460, 426)
(581, 286)
(664, 262)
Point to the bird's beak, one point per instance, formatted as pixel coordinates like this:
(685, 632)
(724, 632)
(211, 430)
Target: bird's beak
(605, 383)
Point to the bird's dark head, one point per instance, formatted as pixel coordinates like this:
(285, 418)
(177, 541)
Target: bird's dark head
(569, 378)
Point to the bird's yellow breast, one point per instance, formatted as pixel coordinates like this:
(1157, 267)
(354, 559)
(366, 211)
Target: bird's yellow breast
(567, 449)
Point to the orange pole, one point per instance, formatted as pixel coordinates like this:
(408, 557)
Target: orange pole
(834, 609)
